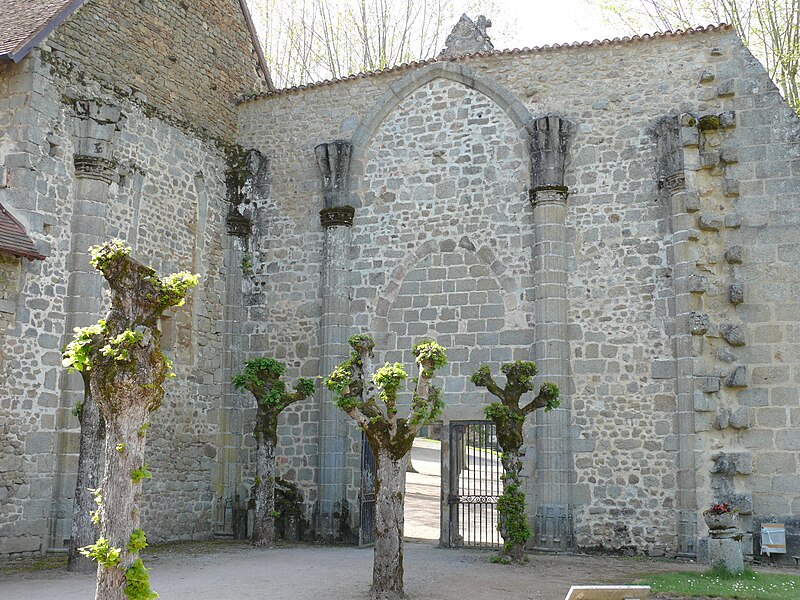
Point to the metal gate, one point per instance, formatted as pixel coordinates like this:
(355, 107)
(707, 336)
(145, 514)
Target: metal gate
(475, 484)
(366, 533)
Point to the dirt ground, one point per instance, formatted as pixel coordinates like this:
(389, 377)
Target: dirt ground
(235, 571)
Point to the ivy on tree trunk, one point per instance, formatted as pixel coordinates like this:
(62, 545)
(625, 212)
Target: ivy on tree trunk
(509, 417)
(359, 388)
(262, 377)
(122, 354)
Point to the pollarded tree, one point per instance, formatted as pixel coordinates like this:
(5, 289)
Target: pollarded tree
(358, 390)
(127, 373)
(90, 455)
(262, 377)
(509, 417)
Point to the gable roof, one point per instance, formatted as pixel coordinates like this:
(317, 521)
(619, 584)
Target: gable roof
(25, 23)
(14, 239)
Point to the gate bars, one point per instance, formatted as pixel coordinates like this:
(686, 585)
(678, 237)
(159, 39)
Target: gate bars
(475, 485)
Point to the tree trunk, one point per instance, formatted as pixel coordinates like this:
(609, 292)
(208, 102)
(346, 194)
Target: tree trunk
(120, 509)
(264, 521)
(511, 522)
(84, 532)
(387, 573)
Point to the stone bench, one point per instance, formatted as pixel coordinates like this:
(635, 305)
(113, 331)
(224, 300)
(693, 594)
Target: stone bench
(608, 592)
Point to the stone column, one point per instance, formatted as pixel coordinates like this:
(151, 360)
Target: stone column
(94, 129)
(333, 159)
(680, 225)
(553, 474)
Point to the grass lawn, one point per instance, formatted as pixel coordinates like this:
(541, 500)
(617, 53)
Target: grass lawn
(747, 586)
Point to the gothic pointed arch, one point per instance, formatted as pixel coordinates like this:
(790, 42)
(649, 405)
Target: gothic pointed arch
(401, 89)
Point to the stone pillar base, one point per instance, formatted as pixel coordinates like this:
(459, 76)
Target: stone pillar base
(727, 552)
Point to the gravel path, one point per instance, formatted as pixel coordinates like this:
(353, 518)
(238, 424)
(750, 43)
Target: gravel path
(222, 571)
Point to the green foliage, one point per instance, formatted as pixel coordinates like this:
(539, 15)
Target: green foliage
(76, 355)
(482, 376)
(121, 447)
(511, 506)
(550, 392)
(102, 255)
(247, 264)
(257, 481)
(520, 373)
(137, 582)
(341, 376)
(175, 286)
(258, 372)
(141, 473)
(501, 414)
(388, 378)
(119, 346)
(77, 409)
(142, 431)
(98, 499)
(137, 542)
(103, 553)
(305, 387)
(360, 339)
(427, 350)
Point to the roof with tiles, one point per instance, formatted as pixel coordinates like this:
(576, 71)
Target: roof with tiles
(14, 240)
(25, 23)
(534, 50)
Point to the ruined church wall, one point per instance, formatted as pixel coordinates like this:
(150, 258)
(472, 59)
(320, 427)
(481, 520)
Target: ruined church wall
(622, 327)
(189, 60)
(167, 199)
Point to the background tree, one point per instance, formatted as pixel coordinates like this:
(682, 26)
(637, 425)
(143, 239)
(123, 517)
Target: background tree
(262, 378)
(509, 417)
(313, 40)
(89, 457)
(770, 28)
(127, 373)
(358, 391)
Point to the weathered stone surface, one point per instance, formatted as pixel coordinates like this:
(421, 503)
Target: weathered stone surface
(710, 222)
(734, 255)
(733, 333)
(740, 418)
(698, 284)
(736, 292)
(738, 378)
(699, 323)
(468, 37)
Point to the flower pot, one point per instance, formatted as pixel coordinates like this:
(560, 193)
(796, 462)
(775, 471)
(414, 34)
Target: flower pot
(727, 520)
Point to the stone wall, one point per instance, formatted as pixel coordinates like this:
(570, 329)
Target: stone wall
(439, 177)
(191, 60)
(151, 171)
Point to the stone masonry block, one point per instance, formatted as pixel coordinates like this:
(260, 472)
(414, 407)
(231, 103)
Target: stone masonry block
(727, 120)
(738, 378)
(710, 222)
(709, 383)
(662, 369)
(734, 255)
(726, 89)
(733, 333)
(699, 323)
(704, 402)
(736, 292)
(740, 418)
(733, 221)
(698, 284)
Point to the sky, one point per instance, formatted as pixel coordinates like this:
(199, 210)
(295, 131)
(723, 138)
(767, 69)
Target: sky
(520, 23)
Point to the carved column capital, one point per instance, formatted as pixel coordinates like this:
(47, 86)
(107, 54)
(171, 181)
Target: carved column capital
(94, 167)
(337, 215)
(548, 195)
(549, 138)
(333, 159)
(675, 183)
